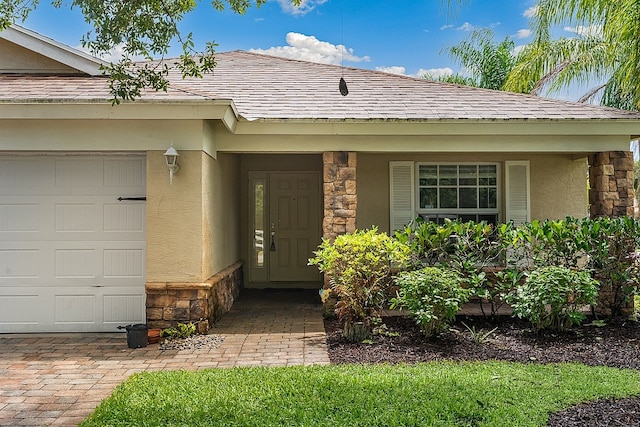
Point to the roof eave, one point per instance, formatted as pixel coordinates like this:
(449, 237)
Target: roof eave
(54, 50)
(445, 126)
(98, 109)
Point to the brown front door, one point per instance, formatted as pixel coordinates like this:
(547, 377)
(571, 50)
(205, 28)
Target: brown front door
(293, 231)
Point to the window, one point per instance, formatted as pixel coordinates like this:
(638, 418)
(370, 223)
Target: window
(465, 191)
(468, 191)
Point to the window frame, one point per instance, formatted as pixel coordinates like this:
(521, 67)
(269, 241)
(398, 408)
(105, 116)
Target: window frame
(438, 213)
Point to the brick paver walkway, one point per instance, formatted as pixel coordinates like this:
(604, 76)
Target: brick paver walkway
(58, 379)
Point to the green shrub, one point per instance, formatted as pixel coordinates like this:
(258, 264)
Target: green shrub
(432, 295)
(464, 246)
(495, 290)
(360, 266)
(468, 248)
(613, 245)
(551, 297)
(562, 243)
(182, 330)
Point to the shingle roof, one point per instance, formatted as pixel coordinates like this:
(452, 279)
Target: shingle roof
(266, 87)
(35, 88)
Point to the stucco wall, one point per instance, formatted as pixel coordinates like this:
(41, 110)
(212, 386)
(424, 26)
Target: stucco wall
(100, 135)
(174, 219)
(558, 183)
(221, 212)
(16, 59)
(193, 225)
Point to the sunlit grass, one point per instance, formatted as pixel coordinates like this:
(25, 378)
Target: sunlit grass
(435, 394)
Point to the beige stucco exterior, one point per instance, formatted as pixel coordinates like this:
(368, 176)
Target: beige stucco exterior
(193, 224)
(105, 134)
(16, 59)
(198, 229)
(558, 183)
(221, 212)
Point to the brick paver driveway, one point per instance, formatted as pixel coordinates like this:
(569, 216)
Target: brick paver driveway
(58, 379)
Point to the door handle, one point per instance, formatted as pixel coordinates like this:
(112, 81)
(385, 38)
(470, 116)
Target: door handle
(272, 247)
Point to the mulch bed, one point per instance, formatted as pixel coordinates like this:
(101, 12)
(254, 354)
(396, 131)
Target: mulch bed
(616, 344)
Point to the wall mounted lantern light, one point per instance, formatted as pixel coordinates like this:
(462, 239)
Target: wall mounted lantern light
(171, 156)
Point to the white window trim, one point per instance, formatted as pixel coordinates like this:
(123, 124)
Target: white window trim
(460, 211)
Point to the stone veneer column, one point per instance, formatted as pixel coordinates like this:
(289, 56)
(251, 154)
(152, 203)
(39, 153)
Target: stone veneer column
(339, 193)
(611, 180)
(340, 203)
(611, 195)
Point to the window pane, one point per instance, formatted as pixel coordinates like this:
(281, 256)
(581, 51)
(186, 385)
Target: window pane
(488, 198)
(488, 175)
(448, 198)
(468, 175)
(428, 175)
(258, 232)
(467, 218)
(491, 219)
(428, 198)
(448, 175)
(468, 198)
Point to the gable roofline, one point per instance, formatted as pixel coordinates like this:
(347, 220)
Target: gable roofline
(54, 50)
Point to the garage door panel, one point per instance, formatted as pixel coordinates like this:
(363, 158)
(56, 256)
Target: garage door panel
(124, 172)
(76, 264)
(74, 309)
(123, 263)
(72, 257)
(19, 217)
(78, 172)
(16, 263)
(18, 310)
(66, 309)
(123, 309)
(25, 175)
(125, 217)
(76, 217)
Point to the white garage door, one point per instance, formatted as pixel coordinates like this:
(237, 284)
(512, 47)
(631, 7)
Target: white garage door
(72, 256)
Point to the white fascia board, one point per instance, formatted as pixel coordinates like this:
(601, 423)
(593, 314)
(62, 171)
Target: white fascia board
(54, 50)
(577, 145)
(541, 127)
(223, 110)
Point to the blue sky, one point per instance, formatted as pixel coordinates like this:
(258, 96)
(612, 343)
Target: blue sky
(408, 37)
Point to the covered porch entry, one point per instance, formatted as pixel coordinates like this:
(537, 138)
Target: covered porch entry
(282, 199)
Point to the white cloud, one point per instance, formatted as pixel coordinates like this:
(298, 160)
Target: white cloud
(592, 30)
(114, 55)
(395, 69)
(434, 73)
(305, 7)
(523, 33)
(309, 48)
(464, 27)
(531, 12)
(518, 49)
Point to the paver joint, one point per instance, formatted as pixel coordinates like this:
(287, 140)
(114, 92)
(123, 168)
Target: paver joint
(59, 379)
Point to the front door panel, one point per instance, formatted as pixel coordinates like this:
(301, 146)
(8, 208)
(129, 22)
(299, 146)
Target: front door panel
(294, 226)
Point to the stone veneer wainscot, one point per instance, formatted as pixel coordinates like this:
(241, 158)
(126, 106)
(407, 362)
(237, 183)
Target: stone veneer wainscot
(170, 303)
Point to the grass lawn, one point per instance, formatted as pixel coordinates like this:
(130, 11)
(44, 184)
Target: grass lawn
(434, 394)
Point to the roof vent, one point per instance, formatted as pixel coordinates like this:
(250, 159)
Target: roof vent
(343, 87)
